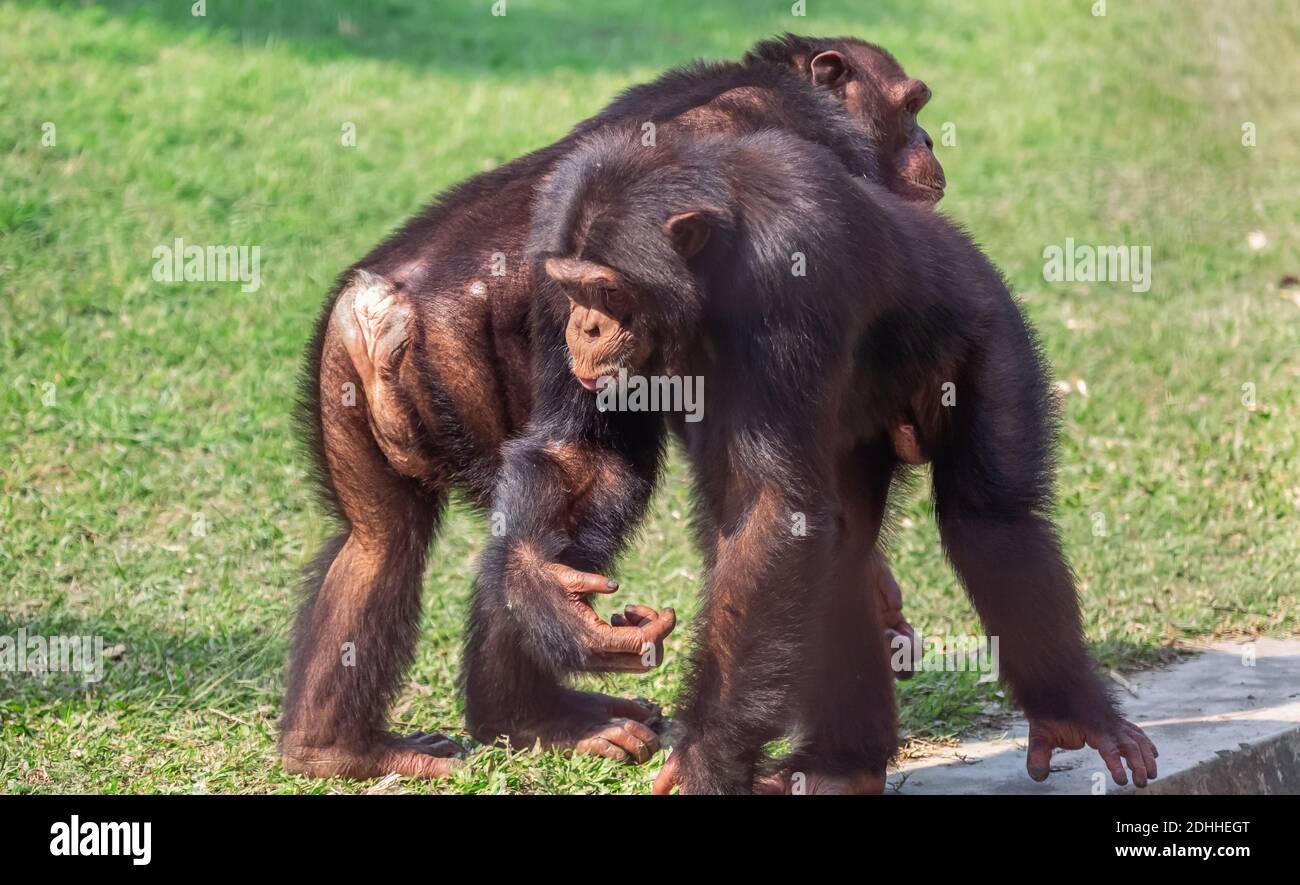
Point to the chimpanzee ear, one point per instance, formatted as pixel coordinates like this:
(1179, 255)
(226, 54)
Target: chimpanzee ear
(829, 68)
(689, 231)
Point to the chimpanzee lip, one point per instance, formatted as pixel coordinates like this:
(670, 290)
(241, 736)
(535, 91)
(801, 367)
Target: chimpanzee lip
(592, 383)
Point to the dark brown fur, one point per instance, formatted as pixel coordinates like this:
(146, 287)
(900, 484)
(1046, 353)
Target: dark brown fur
(803, 374)
(454, 390)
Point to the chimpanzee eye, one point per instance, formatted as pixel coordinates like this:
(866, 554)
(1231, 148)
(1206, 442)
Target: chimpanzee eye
(616, 299)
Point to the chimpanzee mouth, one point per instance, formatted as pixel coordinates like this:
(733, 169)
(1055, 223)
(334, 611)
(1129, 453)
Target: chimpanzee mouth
(593, 383)
(932, 192)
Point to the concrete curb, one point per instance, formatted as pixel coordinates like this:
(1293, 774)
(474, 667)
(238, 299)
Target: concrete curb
(1226, 722)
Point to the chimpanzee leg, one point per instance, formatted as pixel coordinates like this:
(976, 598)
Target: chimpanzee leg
(357, 628)
(849, 730)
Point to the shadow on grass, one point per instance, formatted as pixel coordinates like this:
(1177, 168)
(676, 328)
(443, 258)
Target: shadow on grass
(236, 671)
(465, 37)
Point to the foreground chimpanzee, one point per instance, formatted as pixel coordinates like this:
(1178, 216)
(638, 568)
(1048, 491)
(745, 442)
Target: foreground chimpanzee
(677, 260)
(420, 370)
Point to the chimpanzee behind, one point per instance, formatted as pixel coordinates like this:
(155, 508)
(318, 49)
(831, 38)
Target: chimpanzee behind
(678, 259)
(421, 368)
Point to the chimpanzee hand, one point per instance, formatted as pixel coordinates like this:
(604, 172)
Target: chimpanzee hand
(1122, 740)
(898, 632)
(632, 643)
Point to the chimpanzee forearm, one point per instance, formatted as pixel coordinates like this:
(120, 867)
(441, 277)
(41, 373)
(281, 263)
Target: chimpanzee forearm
(1024, 593)
(559, 502)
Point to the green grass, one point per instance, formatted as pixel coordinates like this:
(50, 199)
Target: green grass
(175, 400)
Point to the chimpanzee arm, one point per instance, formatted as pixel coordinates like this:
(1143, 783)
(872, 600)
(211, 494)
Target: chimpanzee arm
(992, 487)
(570, 491)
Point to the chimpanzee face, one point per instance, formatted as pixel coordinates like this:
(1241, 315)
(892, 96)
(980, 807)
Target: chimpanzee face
(612, 325)
(606, 332)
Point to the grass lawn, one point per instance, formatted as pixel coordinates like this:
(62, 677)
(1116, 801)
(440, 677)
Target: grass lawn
(152, 491)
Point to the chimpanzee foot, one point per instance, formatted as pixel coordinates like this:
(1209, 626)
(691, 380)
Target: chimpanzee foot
(596, 724)
(419, 754)
(376, 324)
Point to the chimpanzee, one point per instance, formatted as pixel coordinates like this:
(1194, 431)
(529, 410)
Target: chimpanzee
(679, 260)
(420, 370)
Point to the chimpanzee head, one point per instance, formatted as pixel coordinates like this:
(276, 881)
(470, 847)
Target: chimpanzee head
(879, 97)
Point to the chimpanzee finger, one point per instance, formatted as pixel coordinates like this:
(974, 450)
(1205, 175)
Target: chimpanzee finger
(633, 739)
(1039, 762)
(906, 446)
(619, 640)
(633, 616)
(616, 662)
(1148, 749)
(636, 640)
(656, 625)
(578, 582)
(636, 710)
(601, 746)
(1110, 755)
(907, 666)
(643, 735)
(1133, 756)
(891, 596)
(637, 615)
(666, 779)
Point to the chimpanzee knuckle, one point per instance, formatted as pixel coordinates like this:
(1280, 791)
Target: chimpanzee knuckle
(624, 640)
(633, 745)
(602, 746)
(642, 732)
